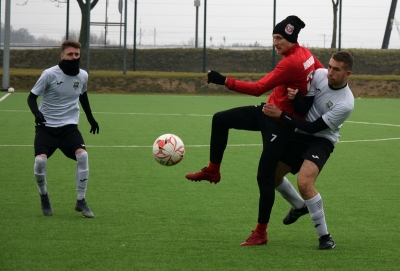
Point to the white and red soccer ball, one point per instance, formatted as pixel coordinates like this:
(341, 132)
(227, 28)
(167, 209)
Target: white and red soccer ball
(168, 149)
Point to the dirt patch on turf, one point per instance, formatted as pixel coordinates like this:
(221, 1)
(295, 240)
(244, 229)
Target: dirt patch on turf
(367, 88)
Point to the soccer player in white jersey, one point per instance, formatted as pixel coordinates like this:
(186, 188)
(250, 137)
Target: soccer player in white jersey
(331, 102)
(57, 117)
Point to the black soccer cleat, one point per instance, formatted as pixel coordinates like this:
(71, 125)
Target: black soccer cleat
(326, 242)
(295, 214)
(81, 206)
(46, 206)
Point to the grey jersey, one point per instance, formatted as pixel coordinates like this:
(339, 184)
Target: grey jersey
(60, 96)
(334, 105)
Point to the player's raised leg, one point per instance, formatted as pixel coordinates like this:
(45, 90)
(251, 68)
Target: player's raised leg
(218, 142)
(241, 118)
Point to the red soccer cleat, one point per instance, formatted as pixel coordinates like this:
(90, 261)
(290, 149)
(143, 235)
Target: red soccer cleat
(255, 239)
(204, 175)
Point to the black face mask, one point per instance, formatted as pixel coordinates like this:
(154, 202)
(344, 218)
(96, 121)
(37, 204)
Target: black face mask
(70, 67)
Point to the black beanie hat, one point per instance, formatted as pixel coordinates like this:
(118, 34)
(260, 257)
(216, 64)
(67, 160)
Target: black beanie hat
(289, 28)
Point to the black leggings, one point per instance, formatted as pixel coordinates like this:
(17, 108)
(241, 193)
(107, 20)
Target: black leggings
(274, 136)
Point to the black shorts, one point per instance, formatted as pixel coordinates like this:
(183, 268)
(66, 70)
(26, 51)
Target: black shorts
(67, 138)
(306, 147)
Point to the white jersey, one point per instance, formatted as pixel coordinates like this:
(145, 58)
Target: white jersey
(60, 96)
(334, 105)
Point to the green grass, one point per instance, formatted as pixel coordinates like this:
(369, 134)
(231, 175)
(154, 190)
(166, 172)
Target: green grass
(149, 217)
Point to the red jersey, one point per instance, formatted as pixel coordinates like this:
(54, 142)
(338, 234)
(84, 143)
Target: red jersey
(294, 71)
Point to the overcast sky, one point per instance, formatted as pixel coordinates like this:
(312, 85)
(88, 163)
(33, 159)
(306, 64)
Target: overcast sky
(173, 22)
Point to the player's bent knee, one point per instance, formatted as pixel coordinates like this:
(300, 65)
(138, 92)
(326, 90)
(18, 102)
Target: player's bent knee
(82, 157)
(302, 187)
(219, 118)
(40, 164)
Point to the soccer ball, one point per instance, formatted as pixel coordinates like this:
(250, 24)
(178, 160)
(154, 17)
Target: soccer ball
(10, 90)
(168, 149)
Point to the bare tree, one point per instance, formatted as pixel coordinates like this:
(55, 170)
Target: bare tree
(84, 21)
(72, 35)
(84, 17)
(21, 35)
(335, 5)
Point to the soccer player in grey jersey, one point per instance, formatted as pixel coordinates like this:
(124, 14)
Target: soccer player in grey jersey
(331, 102)
(57, 117)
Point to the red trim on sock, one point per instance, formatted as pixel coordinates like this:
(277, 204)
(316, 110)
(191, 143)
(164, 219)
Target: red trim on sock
(262, 228)
(213, 168)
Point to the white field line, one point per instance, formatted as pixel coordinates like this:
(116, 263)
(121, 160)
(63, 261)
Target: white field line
(5, 96)
(124, 113)
(373, 123)
(192, 115)
(200, 146)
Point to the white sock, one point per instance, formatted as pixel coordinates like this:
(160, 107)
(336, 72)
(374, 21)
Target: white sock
(39, 169)
(289, 193)
(316, 210)
(82, 174)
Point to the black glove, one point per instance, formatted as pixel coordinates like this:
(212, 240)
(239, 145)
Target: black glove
(94, 126)
(216, 78)
(39, 119)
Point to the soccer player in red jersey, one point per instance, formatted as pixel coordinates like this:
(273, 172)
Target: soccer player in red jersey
(294, 71)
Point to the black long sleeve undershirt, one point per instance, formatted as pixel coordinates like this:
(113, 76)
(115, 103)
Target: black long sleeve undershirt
(84, 100)
(33, 104)
(308, 127)
(302, 104)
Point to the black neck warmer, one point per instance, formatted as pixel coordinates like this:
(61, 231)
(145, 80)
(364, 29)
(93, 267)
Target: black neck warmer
(70, 67)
